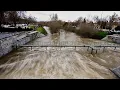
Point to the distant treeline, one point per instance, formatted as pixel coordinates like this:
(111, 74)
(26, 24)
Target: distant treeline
(107, 22)
(84, 27)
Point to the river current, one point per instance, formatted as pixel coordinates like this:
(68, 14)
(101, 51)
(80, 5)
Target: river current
(60, 63)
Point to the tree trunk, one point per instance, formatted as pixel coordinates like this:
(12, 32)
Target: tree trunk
(0, 23)
(14, 22)
(1, 17)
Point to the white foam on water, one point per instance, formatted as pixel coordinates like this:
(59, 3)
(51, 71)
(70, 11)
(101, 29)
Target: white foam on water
(66, 63)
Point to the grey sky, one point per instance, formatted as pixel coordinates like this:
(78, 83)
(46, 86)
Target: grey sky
(69, 15)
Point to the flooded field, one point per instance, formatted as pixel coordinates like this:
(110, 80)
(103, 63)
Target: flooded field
(60, 63)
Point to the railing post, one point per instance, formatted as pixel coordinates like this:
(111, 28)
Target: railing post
(16, 47)
(103, 49)
(88, 48)
(91, 50)
(115, 48)
(96, 50)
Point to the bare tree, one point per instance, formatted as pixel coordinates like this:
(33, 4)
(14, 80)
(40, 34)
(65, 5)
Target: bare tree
(101, 22)
(96, 19)
(2, 18)
(84, 21)
(54, 17)
(80, 19)
(13, 17)
(31, 19)
(113, 19)
(21, 14)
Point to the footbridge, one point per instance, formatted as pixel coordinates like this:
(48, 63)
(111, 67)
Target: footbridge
(95, 48)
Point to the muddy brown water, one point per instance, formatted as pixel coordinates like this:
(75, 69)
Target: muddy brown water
(54, 63)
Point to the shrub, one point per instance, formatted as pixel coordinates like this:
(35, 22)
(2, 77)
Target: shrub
(86, 31)
(117, 28)
(69, 28)
(55, 26)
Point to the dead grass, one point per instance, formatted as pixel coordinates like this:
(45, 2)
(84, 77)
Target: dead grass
(55, 26)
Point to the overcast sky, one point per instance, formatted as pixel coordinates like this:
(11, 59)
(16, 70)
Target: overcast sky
(69, 15)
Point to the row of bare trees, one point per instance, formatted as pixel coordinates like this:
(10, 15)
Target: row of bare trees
(108, 21)
(15, 17)
(103, 23)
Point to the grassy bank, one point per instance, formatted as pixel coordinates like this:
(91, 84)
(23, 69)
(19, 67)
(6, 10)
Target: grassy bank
(39, 29)
(100, 35)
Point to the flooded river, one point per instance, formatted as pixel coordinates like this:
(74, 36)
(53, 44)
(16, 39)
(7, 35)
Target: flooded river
(59, 63)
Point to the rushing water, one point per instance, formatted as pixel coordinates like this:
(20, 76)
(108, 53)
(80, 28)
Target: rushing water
(66, 63)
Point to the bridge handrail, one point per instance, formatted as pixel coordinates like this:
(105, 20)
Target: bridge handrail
(68, 46)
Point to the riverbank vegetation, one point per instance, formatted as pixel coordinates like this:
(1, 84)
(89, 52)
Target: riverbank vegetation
(41, 30)
(12, 21)
(55, 26)
(84, 27)
(85, 31)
